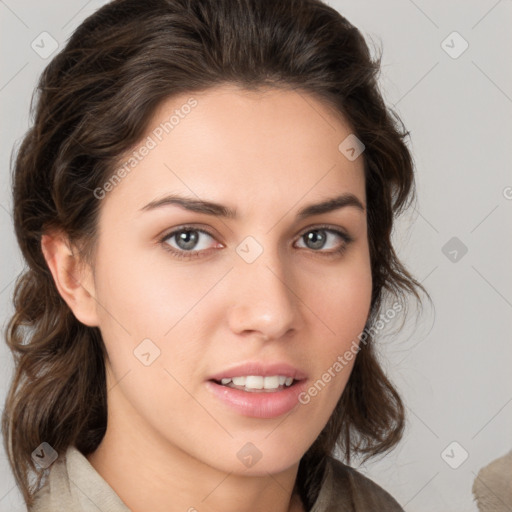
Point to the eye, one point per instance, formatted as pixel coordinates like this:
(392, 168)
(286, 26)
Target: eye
(189, 241)
(317, 238)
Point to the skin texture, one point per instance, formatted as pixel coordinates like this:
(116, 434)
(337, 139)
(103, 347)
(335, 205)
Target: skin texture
(171, 445)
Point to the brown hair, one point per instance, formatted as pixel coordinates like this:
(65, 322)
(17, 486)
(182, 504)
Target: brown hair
(94, 102)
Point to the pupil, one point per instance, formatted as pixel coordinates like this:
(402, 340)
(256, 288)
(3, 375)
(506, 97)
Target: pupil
(316, 239)
(187, 239)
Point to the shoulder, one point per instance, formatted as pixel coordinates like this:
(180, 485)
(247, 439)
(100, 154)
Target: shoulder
(345, 488)
(74, 485)
(55, 489)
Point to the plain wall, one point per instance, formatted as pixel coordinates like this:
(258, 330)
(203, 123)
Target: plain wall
(453, 365)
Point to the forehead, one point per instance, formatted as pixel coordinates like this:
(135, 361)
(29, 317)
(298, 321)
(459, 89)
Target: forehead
(245, 148)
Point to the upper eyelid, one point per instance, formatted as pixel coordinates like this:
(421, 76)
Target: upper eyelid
(186, 227)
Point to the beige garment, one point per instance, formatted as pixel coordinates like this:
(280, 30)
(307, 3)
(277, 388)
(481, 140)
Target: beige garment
(73, 485)
(492, 487)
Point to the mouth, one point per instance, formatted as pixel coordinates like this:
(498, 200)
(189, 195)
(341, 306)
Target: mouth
(258, 383)
(257, 390)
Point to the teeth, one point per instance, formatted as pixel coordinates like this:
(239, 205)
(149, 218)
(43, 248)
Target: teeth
(271, 382)
(258, 382)
(254, 382)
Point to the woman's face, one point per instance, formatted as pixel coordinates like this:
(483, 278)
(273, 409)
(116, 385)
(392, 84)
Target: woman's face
(267, 293)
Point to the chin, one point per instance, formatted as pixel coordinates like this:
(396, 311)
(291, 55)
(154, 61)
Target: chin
(259, 458)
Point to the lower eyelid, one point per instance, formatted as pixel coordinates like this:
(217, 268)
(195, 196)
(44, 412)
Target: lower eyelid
(193, 253)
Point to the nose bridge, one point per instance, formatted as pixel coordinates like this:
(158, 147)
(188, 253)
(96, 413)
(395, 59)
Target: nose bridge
(264, 301)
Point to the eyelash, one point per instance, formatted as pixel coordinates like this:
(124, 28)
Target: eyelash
(188, 255)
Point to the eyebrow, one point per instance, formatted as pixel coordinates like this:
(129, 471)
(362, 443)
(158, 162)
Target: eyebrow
(220, 210)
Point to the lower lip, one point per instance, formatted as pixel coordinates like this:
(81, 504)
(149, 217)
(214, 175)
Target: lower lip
(259, 404)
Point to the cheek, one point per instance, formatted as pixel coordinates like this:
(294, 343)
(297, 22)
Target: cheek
(150, 306)
(343, 303)
(145, 320)
(141, 295)
(343, 300)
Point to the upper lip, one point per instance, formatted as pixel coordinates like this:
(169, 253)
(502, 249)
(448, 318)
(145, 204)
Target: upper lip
(262, 369)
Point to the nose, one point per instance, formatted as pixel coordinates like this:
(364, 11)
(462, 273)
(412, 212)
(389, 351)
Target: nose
(264, 302)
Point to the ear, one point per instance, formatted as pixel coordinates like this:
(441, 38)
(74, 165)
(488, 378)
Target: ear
(73, 278)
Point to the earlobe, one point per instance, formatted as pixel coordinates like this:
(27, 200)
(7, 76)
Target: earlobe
(72, 277)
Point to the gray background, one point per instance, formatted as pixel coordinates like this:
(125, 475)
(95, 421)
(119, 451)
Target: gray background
(452, 366)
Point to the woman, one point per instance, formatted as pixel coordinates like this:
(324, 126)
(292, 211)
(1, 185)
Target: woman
(205, 203)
